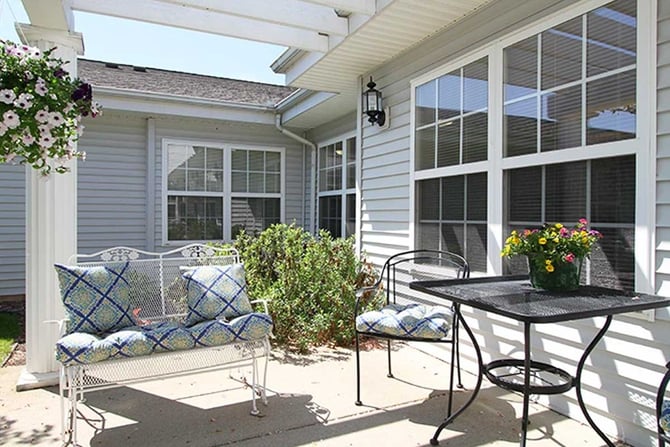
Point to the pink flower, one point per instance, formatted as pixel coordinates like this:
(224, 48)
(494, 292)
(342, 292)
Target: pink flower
(583, 221)
(569, 257)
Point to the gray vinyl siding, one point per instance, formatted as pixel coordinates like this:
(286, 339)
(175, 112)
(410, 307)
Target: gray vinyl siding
(621, 376)
(111, 193)
(663, 151)
(12, 229)
(232, 132)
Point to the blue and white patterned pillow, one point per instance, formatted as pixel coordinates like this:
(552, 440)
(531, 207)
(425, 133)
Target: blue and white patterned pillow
(215, 292)
(96, 299)
(664, 421)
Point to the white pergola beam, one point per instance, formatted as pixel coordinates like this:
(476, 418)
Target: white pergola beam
(179, 16)
(366, 7)
(50, 14)
(293, 13)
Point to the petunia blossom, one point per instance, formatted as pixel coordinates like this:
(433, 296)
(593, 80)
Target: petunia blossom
(46, 141)
(7, 96)
(42, 116)
(27, 139)
(569, 257)
(56, 119)
(11, 119)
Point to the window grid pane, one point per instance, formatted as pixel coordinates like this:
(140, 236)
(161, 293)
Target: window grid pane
(201, 169)
(569, 58)
(442, 222)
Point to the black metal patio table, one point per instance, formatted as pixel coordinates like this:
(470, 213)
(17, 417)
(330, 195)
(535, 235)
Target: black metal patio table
(514, 297)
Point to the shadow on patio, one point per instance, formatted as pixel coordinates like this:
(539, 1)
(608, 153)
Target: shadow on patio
(311, 402)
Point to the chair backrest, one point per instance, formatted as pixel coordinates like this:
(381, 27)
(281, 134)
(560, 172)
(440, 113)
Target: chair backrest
(417, 265)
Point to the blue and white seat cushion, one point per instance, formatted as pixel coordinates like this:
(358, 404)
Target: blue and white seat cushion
(410, 320)
(664, 420)
(82, 348)
(96, 299)
(215, 292)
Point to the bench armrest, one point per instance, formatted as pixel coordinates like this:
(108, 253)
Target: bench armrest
(264, 302)
(60, 323)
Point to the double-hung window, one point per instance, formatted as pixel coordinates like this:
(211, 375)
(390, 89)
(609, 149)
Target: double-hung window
(337, 187)
(563, 141)
(213, 191)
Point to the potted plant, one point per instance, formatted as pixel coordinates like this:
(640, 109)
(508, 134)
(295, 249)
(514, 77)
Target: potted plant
(41, 108)
(555, 253)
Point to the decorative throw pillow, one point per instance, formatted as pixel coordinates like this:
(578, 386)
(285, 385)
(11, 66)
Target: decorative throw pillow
(215, 292)
(96, 299)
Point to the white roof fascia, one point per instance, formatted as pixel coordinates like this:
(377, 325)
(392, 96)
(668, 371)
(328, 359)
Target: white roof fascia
(295, 13)
(304, 106)
(164, 104)
(181, 16)
(360, 6)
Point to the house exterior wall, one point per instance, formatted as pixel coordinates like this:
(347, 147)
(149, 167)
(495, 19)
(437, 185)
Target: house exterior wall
(113, 205)
(12, 229)
(621, 376)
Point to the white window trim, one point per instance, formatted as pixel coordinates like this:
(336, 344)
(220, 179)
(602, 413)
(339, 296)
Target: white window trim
(227, 193)
(344, 192)
(643, 146)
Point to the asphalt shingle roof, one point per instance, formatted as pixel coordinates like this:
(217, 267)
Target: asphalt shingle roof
(153, 80)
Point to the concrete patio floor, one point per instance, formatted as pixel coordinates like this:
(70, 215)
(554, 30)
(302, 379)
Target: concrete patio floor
(311, 403)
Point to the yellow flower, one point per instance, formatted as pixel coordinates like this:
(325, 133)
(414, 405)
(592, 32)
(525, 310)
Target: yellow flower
(556, 240)
(548, 262)
(542, 241)
(550, 268)
(559, 225)
(585, 240)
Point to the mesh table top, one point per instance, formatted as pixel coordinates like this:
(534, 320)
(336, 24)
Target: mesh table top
(514, 297)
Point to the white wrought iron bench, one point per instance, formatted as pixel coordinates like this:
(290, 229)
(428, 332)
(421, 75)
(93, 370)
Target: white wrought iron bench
(135, 316)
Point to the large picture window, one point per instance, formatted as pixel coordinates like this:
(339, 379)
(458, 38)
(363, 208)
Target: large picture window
(213, 192)
(337, 187)
(570, 143)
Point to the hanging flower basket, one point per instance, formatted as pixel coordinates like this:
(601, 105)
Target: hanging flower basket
(41, 108)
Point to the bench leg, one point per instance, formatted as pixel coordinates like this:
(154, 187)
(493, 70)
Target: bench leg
(69, 390)
(266, 350)
(254, 382)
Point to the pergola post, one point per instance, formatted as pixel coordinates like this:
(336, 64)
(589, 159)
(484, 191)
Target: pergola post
(51, 232)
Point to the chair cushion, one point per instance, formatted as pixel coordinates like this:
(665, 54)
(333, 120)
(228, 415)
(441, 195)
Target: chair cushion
(96, 299)
(410, 320)
(84, 348)
(215, 292)
(664, 420)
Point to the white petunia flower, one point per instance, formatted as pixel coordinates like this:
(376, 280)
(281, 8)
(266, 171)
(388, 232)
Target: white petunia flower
(40, 87)
(56, 119)
(44, 129)
(27, 139)
(3, 129)
(11, 119)
(24, 101)
(7, 96)
(42, 116)
(46, 141)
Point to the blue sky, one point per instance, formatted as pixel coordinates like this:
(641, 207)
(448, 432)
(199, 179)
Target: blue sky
(129, 42)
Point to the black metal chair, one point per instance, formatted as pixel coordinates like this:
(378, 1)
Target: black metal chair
(663, 410)
(405, 316)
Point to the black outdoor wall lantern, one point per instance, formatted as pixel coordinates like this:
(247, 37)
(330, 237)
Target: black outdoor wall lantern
(372, 104)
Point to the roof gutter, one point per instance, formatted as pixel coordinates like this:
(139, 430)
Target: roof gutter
(312, 194)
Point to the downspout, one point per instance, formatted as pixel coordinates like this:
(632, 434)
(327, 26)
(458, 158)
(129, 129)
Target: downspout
(306, 142)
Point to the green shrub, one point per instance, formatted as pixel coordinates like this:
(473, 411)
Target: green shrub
(310, 281)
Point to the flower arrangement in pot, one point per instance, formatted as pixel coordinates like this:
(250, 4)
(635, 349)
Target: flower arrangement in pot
(555, 253)
(41, 108)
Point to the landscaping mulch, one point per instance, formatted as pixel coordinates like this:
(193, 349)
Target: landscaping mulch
(18, 354)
